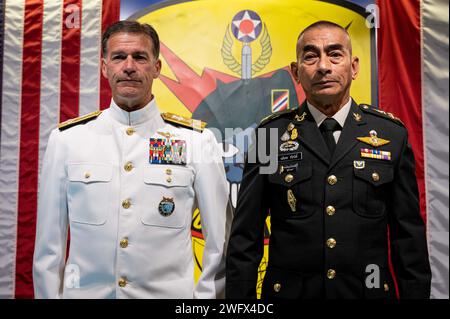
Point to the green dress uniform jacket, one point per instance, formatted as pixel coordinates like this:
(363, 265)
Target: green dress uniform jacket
(332, 218)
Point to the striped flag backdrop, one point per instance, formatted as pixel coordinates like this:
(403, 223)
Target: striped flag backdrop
(413, 84)
(50, 54)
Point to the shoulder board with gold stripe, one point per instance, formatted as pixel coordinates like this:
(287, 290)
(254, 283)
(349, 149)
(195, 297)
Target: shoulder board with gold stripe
(274, 116)
(184, 121)
(387, 115)
(78, 120)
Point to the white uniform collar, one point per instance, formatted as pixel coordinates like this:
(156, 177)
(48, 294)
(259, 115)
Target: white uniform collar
(340, 116)
(148, 112)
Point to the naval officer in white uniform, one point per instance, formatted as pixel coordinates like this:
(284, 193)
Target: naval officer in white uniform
(126, 182)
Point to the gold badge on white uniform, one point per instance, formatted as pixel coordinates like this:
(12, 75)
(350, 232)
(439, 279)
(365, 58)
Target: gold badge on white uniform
(166, 206)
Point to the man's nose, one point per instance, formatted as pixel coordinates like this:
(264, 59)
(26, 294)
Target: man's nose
(129, 66)
(324, 66)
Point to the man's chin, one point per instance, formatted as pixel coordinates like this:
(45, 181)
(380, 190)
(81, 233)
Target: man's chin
(326, 91)
(128, 91)
(128, 100)
(325, 96)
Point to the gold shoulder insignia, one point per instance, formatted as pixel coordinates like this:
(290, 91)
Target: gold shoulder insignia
(184, 121)
(274, 116)
(372, 110)
(78, 120)
(395, 118)
(265, 119)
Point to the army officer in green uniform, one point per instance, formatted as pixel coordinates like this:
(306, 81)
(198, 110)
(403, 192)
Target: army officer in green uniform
(345, 179)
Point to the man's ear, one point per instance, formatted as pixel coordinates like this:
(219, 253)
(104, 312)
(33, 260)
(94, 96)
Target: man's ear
(158, 65)
(104, 68)
(294, 70)
(355, 67)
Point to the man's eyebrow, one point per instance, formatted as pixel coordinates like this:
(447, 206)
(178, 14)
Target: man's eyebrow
(140, 53)
(336, 46)
(133, 53)
(328, 48)
(310, 47)
(117, 52)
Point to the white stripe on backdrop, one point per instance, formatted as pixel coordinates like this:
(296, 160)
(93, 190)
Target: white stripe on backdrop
(9, 145)
(91, 30)
(436, 129)
(50, 72)
(50, 101)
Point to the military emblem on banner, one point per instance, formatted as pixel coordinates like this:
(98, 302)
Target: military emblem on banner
(246, 27)
(167, 151)
(280, 100)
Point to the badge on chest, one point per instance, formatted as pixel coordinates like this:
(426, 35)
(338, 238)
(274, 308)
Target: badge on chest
(167, 151)
(166, 206)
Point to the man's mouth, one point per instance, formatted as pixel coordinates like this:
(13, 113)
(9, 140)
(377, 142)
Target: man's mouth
(128, 81)
(324, 82)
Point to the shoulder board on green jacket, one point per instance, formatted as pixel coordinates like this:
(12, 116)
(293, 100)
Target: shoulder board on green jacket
(274, 116)
(387, 115)
(184, 121)
(78, 120)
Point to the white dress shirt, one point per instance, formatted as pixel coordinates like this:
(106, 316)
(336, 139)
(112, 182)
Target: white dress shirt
(340, 116)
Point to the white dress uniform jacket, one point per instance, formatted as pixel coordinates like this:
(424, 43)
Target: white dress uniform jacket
(97, 179)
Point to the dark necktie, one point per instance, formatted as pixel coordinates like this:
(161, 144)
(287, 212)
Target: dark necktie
(327, 128)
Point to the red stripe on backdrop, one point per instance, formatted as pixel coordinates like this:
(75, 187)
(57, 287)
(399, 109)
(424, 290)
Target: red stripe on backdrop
(400, 74)
(70, 60)
(29, 147)
(110, 14)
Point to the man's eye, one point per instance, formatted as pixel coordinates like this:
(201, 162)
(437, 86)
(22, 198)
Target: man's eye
(140, 58)
(309, 57)
(118, 57)
(335, 54)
